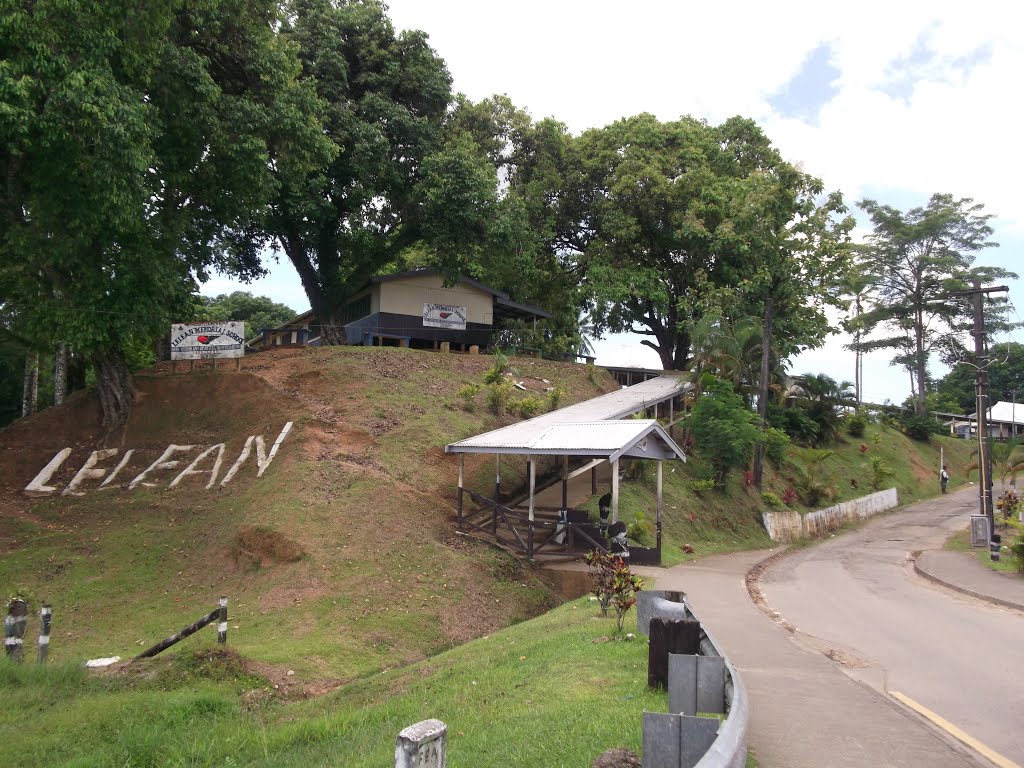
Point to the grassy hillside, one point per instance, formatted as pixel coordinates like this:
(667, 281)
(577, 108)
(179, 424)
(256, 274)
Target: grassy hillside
(347, 581)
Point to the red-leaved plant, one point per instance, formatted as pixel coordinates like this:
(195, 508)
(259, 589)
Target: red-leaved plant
(789, 496)
(614, 584)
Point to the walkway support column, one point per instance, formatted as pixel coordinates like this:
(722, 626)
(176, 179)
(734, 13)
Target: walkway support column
(661, 507)
(533, 488)
(497, 477)
(615, 491)
(565, 482)
(458, 508)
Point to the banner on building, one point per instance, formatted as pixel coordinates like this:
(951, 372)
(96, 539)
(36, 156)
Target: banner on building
(205, 341)
(444, 316)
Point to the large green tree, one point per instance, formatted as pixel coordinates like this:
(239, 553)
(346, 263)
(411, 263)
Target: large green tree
(398, 178)
(138, 145)
(1005, 380)
(675, 220)
(915, 261)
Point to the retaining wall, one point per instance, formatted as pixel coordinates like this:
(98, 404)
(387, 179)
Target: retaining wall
(786, 526)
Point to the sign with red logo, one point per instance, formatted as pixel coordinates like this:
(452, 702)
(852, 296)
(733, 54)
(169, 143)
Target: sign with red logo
(444, 316)
(202, 341)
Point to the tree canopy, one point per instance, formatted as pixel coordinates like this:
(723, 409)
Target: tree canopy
(258, 312)
(914, 262)
(955, 392)
(137, 152)
(673, 220)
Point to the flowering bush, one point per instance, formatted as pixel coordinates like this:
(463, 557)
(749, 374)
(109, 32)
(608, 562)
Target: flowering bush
(614, 584)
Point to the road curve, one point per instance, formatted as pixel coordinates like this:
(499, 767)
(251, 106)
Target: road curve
(856, 599)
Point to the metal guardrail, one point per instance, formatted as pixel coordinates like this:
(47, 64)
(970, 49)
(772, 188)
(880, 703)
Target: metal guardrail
(705, 683)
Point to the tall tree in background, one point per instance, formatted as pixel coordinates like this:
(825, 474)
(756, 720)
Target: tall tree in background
(394, 181)
(916, 259)
(136, 149)
(258, 312)
(675, 220)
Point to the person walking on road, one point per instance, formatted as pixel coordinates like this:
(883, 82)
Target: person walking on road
(944, 477)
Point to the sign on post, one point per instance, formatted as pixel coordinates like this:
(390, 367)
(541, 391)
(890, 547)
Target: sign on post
(207, 341)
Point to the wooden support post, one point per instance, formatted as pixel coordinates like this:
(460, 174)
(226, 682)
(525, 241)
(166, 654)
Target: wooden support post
(45, 621)
(533, 485)
(615, 491)
(661, 504)
(222, 621)
(14, 628)
(669, 636)
(497, 477)
(565, 482)
(593, 481)
(458, 508)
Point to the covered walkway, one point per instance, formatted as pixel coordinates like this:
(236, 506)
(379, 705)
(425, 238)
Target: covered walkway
(593, 433)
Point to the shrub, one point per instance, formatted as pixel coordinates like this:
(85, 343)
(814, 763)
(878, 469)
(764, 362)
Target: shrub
(856, 425)
(920, 427)
(775, 444)
(528, 407)
(771, 499)
(468, 394)
(639, 528)
(809, 478)
(789, 496)
(497, 370)
(498, 395)
(555, 395)
(880, 472)
(614, 584)
(724, 428)
(699, 486)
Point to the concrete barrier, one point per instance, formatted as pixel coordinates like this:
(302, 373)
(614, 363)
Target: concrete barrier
(679, 740)
(786, 525)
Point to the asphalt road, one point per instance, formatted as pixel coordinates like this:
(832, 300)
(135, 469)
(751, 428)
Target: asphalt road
(856, 598)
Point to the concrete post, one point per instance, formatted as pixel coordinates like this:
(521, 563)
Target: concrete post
(422, 745)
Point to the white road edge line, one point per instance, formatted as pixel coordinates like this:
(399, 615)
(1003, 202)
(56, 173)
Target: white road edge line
(955, 732)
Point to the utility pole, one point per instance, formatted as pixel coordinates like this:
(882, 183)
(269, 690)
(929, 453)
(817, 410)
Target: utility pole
(977, 294)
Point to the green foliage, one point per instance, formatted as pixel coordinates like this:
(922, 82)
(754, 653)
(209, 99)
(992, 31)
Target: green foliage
(956, 391)
(700, 486)
(855, 425)
(880, 472)
(1007, 459)
(467, 393)
(640, 527)
(913, 261)
(614, 584)
(500, 365)
(822, 400)
(498, 396)
(654, 204)
(920, 427)
(724, 429)
(527, 407)
(257, 312)
(809, 478)
(555, 395)
(776, 443)
(771, 499)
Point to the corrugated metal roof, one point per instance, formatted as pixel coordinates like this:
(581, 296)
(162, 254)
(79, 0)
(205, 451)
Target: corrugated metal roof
(593, 427)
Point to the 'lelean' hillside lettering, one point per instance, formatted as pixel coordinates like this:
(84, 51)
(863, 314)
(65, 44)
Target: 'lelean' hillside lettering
(207, 462)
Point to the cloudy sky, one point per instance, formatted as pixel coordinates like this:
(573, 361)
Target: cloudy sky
(893, 101)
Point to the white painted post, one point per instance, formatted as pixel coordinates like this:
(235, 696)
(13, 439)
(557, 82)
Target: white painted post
(422, 745)
(615, 491)
(533, 482)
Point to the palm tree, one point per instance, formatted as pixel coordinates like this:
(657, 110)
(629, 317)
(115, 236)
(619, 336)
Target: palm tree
(1007, 460)
(825, 399)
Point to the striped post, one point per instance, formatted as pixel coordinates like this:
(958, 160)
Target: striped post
(14, 628)
(45, 618)
(222, 621)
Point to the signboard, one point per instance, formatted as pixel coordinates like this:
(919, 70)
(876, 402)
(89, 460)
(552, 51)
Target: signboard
(979, 531)
(209, 340)
(444, 316)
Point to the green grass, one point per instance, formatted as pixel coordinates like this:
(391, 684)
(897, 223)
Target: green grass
(961, 542)
(554, 691)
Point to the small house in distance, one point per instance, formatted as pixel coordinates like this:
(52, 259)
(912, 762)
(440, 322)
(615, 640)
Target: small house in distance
(412, 309)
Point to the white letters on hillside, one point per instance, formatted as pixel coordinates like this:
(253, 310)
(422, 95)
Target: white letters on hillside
(91, 471)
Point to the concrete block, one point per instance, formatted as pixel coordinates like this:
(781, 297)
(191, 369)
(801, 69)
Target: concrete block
(422, 745)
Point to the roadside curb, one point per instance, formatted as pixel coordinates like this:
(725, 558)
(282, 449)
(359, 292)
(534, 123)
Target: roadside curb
(964, 590)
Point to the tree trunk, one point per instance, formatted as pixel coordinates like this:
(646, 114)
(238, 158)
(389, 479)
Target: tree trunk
(762, 393)
(60, 373)
(30, 386)
(332, 333)
(115, 388)
(920, 407)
